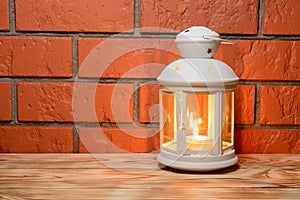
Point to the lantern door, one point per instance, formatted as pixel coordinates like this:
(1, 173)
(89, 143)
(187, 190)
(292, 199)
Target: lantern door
(168, 120)
(196, 123)
(202, 124)
(227, 121)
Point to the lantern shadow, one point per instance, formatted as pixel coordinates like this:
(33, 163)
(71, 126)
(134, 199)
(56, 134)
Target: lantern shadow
(226, 170)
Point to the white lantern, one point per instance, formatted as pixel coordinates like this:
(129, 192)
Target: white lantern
(197, 105)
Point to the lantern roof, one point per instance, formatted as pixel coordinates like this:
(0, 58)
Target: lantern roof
(198, 72)
(198, 42)
(198, 45)
(197, 33)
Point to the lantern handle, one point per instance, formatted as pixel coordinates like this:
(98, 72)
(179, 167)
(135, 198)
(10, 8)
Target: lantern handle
(223, 41)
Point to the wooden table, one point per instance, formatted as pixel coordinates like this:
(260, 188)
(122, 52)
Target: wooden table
(138, 176)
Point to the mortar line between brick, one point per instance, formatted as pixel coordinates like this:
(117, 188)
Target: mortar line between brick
(261, 9)
(14, 97)
(137, 18)
(39, 124)
(137, 126)
(68, 34)
(136, 102)
(75, 55)
(132, 81)
(266, 127)
(257, 105)
(78, 124)
(149, 36)
(76, 140)
(79, 80)
(116, 125)
(262, 37)
(12, 16)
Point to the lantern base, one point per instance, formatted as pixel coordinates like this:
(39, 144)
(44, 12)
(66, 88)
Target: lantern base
(197, 163)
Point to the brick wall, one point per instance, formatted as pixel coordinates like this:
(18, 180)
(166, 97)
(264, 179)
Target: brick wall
(54, 97)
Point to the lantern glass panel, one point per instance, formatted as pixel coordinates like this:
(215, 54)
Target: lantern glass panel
(168, 118)
(228, 120)
(200, 123)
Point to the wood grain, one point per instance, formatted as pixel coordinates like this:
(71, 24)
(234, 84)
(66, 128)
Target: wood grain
(139, 176)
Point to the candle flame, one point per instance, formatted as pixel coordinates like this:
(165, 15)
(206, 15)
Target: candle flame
(169, 118)
(200, 120)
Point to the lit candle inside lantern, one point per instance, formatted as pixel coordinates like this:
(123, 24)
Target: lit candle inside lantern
(197, 122)
(196, 141)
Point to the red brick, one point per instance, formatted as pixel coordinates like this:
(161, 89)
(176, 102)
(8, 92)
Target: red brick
(103, 102)
(5, 102)
(5, 56)
(108, 140)
(36, 140)
(125, 58)
(267, 141)
(53, 102)
(244, 101)
(74, 16)
(282, 17)
(36, 56)
(280, 105)
(45, 102)
(230, 17)
(263, 60)
(149, 108)
(4, 15)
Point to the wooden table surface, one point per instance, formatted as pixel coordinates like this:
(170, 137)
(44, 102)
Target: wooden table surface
(139, 176)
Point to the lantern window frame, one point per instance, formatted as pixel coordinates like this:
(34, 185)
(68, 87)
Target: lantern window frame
(180, 111)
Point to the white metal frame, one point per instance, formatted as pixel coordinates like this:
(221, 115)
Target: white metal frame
(162, 121)
(231, 147)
